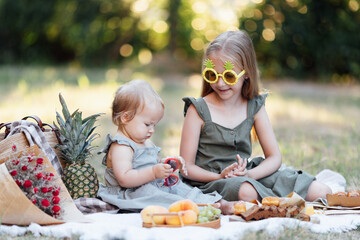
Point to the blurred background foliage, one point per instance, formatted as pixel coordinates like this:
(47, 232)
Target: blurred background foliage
(304, 39)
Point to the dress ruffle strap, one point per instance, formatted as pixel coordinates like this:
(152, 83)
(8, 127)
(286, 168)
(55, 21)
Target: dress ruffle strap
(200, 106)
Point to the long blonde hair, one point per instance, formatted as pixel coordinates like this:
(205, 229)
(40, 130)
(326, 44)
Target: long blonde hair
(238, 48)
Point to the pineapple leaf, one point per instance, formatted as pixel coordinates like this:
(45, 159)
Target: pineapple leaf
(209, 64)
(92, 116)
(65, 109)
(59, 119)
(228, 65)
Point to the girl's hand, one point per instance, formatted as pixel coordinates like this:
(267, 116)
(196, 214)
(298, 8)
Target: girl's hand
(241, 169)
(182, 166)
(162, 171)
(228, 171)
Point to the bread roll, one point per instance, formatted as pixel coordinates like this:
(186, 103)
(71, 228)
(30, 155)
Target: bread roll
(239, 208)
(270, 201)
(353, 193)
(341, 194)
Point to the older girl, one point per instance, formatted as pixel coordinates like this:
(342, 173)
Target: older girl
(216, 135)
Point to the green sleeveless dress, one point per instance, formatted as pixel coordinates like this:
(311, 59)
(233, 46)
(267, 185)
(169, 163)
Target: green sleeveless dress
(218, 147)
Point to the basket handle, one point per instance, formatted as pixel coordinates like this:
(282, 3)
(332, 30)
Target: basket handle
(37, 119)
(43, 125)
(7, 128)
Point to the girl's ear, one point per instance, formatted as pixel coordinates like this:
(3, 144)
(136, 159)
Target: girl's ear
(246, 76)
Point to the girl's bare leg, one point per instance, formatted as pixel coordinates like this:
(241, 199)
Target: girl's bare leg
(317, 190)
(247, 192)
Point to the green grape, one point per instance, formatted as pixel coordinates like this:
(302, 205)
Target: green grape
(203, 220)
(217, 211)
(208, 213)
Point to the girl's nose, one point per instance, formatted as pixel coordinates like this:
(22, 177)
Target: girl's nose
(220, 81)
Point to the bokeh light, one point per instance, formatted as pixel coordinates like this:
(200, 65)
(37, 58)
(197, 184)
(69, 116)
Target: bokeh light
(113, 22)
(199, 7)
(268, 34)
(160, 26)
(126, 23)
(111, 75)
(303, 9)
(269, 10)
(140, 6)
(83, 81)
(279, 17)
(197, 44)
(269, 23)
(257, 14)
(354, 5)
(126, 50)
(210, 35)
(198, 24)
(250, 25)
(145, 56)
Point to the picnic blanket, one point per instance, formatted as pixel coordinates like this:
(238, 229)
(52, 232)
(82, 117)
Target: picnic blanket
(129, 226)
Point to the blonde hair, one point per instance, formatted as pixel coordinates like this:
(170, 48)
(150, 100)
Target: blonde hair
(131, 98)
(237, 47)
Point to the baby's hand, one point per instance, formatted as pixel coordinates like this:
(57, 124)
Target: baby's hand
(162, 171)
(181, 161)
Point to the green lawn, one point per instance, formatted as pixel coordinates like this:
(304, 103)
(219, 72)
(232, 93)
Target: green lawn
(317, 126)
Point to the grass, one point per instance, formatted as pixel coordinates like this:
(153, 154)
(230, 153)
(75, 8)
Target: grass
(316, 125)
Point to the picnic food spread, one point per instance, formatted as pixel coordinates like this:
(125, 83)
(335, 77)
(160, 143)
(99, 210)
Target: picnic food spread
(186, 212)
(291, 206)
(345, 199)
(267, 211)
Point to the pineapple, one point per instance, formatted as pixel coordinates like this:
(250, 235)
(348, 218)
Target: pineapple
(76, 136)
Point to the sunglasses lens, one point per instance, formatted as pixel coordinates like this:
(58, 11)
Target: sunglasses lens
(171, 180)
(230, 77)
(210, 76)
(173, 163)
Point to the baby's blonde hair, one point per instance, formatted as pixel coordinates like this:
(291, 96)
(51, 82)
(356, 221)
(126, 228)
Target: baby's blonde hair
(131, 98)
